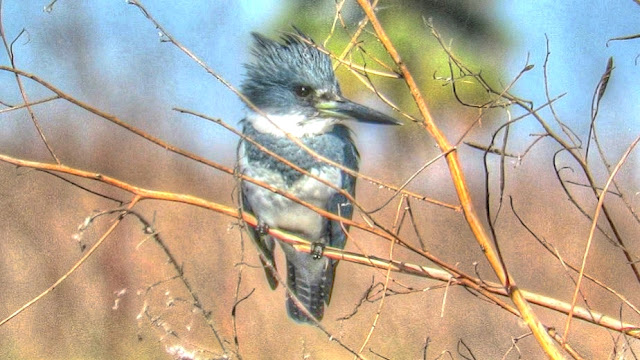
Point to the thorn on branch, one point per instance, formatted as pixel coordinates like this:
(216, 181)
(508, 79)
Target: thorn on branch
(492, 150)
(49, 7)
(621, 38)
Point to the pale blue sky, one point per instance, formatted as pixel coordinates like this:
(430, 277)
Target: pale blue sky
(125, 51)
(578, 32)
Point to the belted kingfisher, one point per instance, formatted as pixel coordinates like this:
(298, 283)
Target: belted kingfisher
(293, 84)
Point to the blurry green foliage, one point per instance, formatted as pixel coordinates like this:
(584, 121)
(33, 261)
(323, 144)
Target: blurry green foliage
(463, 24)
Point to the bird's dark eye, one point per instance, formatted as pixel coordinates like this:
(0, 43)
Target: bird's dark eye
(302, 90)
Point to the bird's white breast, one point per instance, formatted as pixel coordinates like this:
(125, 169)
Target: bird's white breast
(282, 213)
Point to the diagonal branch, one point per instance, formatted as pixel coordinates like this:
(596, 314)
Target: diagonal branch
(599, 208)
(459, 182)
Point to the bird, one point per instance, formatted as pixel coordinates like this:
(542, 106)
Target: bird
(292, 89)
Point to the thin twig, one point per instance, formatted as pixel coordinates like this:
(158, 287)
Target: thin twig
(75, 266)
(555, 253)
(601, 88)
(599, 207)
(386, 278)
(38, 102)
(573, 137)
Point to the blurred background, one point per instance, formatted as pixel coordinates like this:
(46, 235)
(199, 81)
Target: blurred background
(125, 303)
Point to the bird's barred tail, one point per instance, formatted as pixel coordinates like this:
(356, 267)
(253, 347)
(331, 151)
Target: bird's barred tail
(312, 288)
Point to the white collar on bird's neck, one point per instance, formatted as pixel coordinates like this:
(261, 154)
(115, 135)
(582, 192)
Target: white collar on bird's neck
(297, 125)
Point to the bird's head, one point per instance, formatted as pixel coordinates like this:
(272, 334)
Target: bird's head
(293, 83)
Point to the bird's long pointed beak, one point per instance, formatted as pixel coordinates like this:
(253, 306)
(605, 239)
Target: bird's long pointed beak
(348, 110)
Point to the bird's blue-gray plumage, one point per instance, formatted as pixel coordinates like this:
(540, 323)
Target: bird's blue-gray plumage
(311, 280)
(294, 87)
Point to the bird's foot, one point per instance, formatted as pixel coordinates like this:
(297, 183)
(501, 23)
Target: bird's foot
(262, 228)
(316, 250)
